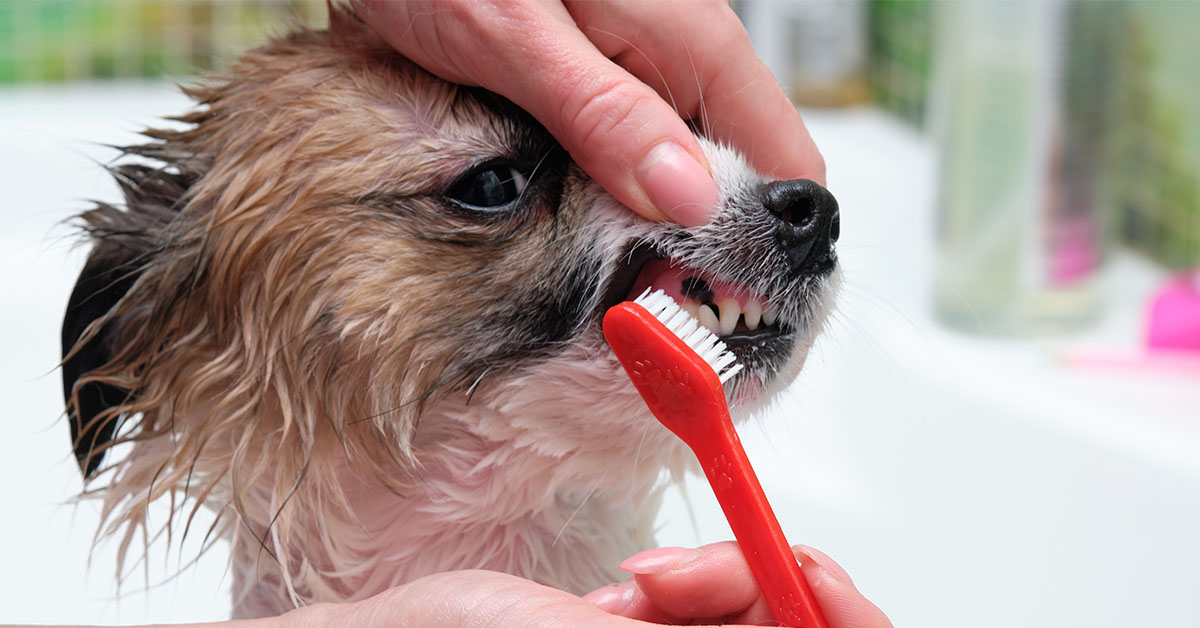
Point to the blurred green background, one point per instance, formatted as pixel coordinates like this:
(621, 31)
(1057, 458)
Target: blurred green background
(1154, 179)
(66, 40)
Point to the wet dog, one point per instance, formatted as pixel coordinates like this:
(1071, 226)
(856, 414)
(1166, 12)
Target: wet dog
(354, 311)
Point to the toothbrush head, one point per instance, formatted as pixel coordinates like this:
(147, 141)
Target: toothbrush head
(678, 366)
(688, 329)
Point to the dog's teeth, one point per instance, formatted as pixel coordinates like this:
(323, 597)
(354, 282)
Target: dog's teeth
(692, 308)
(730, 312)
(769, 315)
(709, 319)
(752, 314)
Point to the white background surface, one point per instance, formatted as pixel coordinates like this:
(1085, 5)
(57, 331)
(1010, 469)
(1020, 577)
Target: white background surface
(50, 151)
(961, 481)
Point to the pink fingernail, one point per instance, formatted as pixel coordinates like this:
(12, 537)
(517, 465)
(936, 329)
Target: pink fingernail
(825, 562)
(678, 185)
(658, 560)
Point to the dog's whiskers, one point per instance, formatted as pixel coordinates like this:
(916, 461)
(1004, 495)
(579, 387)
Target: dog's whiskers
(637, 455)
(702, 111)
(578, 508)
(653, 66)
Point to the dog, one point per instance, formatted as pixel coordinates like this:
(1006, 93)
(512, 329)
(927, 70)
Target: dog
(354, 311)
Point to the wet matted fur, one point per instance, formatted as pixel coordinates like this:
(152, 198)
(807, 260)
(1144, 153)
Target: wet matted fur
(295, 322)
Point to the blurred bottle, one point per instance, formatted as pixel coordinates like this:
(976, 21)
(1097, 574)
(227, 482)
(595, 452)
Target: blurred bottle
(1023, 98)
(817, 49)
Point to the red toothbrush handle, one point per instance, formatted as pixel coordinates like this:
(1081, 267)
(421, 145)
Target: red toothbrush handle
(686, 396)
(758, 533)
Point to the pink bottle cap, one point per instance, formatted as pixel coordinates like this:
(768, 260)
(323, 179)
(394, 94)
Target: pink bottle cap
(1174, 318)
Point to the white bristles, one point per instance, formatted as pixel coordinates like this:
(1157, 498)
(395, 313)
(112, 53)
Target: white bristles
(702, 340)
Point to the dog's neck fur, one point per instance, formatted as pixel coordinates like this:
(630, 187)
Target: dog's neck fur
(503, 485)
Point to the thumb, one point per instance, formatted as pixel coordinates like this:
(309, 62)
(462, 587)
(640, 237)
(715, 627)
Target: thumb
(626, 138)
(617, 128)
(840, 600)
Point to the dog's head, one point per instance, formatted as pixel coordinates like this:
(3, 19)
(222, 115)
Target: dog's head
(336, 241)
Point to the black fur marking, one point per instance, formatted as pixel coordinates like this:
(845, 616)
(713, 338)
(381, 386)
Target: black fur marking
(551, 318)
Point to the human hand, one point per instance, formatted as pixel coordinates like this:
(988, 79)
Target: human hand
(711, 584)
(599, 76)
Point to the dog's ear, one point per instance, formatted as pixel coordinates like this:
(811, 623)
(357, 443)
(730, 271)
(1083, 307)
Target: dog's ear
(102, 283)
(123, 243)
(111, 270)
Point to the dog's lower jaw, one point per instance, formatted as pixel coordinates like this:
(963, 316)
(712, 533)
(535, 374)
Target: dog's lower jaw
(554, 476)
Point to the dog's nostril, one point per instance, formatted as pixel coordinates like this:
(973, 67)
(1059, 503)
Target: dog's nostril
(835, 226)
(792, 210)
(800, 202)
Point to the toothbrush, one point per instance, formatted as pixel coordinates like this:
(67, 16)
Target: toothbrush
(679, 368)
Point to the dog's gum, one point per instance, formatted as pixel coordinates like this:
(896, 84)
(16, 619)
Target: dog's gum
(670, 276)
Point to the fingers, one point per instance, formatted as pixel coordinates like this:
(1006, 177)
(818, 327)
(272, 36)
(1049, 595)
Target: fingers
(672, 585)
(706, 66)
(618, 129)
(620, 119)
(714, 584)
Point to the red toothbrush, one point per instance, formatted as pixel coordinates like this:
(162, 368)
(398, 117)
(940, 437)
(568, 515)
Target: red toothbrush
(679, 367)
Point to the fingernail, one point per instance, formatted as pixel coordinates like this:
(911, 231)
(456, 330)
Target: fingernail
(678, 185)
(826, 563)
(658, 560)
(612, 598)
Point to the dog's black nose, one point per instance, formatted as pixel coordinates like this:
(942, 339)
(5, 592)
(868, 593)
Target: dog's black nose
(808, 223)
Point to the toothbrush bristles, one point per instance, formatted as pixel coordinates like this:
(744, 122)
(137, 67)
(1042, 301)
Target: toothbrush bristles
(703, 341)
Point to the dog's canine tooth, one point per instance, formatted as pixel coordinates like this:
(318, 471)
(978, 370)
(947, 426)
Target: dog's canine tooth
(769, 315)
(709, 319)
(752, 314)
(730, 312)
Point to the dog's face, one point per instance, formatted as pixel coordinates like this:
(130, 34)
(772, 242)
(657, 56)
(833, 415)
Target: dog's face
(338, 241)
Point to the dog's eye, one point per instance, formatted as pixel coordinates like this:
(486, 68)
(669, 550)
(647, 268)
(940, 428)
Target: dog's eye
(489, 187)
